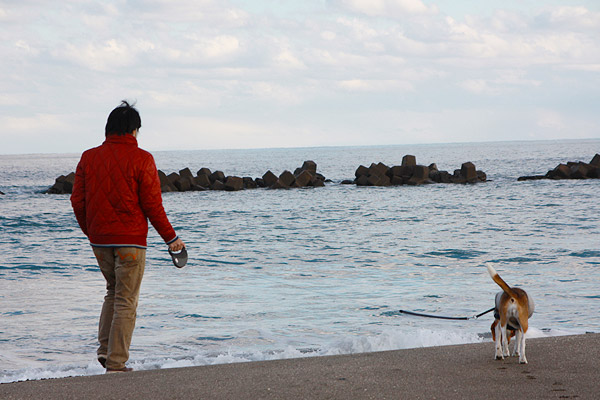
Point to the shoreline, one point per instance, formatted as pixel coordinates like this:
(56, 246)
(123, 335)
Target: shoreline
(559, 367)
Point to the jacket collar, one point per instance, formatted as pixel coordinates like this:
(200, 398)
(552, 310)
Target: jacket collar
(121, 139)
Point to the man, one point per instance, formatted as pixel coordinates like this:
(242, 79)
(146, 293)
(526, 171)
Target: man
(116, 192)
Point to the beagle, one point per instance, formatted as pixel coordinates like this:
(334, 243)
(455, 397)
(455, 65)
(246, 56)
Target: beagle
(513, 309)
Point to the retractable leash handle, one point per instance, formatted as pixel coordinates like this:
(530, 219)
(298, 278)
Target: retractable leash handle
(180, 258)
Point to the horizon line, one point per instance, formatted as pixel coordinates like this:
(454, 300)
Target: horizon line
(326, 146)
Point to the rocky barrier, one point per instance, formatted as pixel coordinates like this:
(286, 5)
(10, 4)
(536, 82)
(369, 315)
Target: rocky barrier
(304, 176)
(377, 174)
(571, 170)
(62, 185)
(410, 173)
(184, 180)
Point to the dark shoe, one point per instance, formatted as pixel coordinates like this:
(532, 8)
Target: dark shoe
(179, 259)
(102, 361)
(112, 371)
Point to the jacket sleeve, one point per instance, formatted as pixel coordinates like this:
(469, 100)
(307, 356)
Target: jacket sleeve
(78, 197)
(151, 201)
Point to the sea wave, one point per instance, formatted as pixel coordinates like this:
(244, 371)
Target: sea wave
(389, 339)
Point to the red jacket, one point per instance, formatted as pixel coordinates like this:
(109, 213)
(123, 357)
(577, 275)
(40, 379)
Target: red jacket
(116, 191)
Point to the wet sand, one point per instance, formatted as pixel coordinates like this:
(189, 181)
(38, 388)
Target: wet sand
(564, 367)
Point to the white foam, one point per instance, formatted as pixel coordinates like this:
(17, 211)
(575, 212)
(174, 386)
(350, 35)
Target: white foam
(393, 339)
(388, 339)
(63, 371)
(533, 332)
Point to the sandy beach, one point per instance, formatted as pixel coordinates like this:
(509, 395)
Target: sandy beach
(559, 368)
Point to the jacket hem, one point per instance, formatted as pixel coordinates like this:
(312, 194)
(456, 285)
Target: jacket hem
(118, 245)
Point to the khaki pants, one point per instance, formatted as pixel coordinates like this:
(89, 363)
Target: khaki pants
(123, 269)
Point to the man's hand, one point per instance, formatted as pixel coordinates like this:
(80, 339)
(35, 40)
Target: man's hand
(177, 245)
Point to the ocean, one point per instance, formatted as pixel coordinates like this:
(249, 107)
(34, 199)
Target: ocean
(305, 272)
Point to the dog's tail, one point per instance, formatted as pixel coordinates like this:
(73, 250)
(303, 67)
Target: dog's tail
(500, 281)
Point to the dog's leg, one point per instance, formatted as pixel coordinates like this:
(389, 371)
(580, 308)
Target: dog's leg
(524, 325)
(498, 342)
(517, 348)
(505, 352)
(522, 358)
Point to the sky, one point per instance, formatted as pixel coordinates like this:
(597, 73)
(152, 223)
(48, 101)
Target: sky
(231, 74)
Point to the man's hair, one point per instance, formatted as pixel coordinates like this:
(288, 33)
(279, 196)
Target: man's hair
(122, 120)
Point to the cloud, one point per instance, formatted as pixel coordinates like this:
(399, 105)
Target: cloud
(328, 68)
(328, 35)
(387, 8)
(556, 124)
(503, 82)
(355, 84)
(104, 56)
(201, 49)
(34, 123)
(588, 67)
(178, 14)
(200, 133)
(569, 18)
(478, 86)
(287, 59)
(37, 133)
(271, 92)
(375, 85)
(551, 120)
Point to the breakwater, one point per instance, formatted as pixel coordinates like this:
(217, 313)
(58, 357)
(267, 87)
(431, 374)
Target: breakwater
(570, 170)
(411, 173)
(377, 174)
